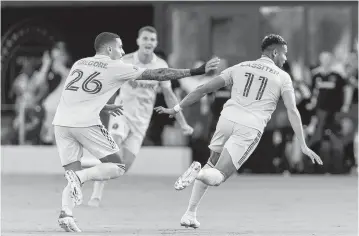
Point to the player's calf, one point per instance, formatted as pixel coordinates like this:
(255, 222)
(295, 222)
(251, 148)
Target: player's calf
(103, 171)
(127, 158)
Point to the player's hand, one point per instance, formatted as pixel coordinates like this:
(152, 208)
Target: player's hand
(312, 155)
(114, 110)
(212, 64)
(310, 129)
(46, 58)
(345, 108)
(162, 110)
(187, 130)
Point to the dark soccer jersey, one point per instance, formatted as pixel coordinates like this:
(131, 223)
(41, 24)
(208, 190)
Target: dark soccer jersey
(330, 85)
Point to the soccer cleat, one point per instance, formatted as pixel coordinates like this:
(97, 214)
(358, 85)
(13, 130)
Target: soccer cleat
(188, 177)
(67, 222)
(94, 202)
(188, 220)
(75, 185)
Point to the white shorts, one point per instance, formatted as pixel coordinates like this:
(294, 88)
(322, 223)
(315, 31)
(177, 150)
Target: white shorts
(239, 140)
(130, 138)
(70, 142)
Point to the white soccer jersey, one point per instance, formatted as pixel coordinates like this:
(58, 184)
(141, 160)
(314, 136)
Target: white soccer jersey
(256, 89)
(90, 84)
(138, 97)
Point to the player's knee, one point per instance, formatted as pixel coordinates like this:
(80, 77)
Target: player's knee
(128, 158)
(220, 177)
(118, 170)
(211, 176)
(112, 170)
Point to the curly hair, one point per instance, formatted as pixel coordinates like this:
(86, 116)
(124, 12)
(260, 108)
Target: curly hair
(272, 39)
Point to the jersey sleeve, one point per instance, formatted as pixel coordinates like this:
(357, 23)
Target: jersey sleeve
(227, 76)
(287, 84)
(123, 71)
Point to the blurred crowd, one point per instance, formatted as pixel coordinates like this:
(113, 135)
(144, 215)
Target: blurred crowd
(36, 92)
(327, 103)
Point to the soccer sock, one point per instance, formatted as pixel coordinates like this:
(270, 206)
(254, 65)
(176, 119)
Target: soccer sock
(67, 202)
(198, 191)
(211, 176)
(98, 187)
(103, 171)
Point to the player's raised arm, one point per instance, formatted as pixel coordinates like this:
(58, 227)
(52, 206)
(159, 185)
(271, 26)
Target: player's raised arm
(211, 86)
(295, 119)
(163, 74)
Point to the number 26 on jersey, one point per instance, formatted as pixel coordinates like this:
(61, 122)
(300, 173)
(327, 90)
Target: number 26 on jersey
(89, 85)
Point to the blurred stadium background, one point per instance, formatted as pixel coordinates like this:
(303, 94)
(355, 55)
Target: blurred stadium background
(188, 33)
(319, 35)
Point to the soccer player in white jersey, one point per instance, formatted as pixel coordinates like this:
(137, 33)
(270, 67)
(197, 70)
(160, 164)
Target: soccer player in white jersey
(90, 84)
(138, 99)
(256, 89)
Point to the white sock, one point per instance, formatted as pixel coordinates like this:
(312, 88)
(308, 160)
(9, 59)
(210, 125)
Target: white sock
(211, 176)
(198, 191)
(103, 171)
(67, 202)
(98, 187)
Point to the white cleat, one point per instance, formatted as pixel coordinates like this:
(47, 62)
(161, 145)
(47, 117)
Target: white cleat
(188, 220)
(75, 184)
(67, 223)
(188, 177)
(94, 202)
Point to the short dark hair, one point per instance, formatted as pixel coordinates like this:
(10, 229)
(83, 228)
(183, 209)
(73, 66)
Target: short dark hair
(104, 38)
(147, 28)
(272, 39)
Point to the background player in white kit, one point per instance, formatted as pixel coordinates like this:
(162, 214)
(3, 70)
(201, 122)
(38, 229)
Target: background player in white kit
(256, 89)
(90, 84)
(138, 99)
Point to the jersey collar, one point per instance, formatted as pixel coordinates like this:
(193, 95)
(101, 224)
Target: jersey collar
(101, 56)
(267, 59)
(137, 60)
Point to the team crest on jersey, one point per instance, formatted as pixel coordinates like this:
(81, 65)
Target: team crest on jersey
(115, 126)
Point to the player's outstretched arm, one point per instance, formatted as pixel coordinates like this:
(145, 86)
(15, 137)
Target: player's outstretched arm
(194, 96)
(296, 123)
(171, 101)
(163, 74)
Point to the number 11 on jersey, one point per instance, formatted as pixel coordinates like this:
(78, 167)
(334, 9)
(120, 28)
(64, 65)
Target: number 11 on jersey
(250, 78)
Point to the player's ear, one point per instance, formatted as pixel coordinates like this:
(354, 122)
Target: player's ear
(138, 41)
(275, 52)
